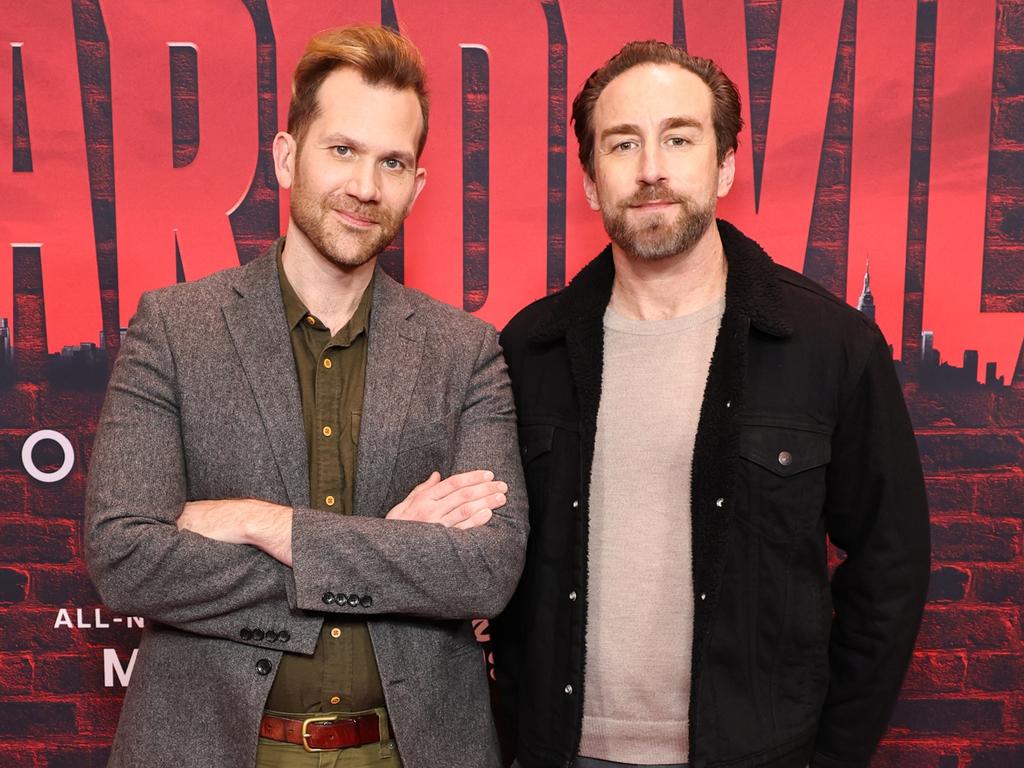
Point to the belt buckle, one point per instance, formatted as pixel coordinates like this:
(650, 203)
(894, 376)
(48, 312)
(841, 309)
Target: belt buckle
(305, 730)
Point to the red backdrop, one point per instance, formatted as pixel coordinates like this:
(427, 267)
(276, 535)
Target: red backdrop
(134, 152)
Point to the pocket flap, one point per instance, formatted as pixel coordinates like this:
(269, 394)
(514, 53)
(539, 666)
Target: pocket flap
(419, 436)
(535, 440)
(785, 451)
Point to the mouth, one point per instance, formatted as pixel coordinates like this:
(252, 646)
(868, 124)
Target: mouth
(354, 219)
(653, 205)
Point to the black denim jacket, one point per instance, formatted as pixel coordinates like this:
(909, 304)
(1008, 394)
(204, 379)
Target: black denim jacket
(803, 435)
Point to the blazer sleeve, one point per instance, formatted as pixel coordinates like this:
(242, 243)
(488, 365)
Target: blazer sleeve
(138, 559)
(877, 513)
(369, 565)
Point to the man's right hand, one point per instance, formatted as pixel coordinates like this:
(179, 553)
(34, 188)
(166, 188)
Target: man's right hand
(461, 501)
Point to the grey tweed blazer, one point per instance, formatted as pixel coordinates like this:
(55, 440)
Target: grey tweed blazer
(204, 403)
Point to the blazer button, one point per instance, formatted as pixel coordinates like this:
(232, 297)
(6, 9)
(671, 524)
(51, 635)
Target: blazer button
(366, 601)
(271, 636)
(328, 598)
(257, 634)
(353, 600)
(245, 634)
(263, 667)
(284, 636)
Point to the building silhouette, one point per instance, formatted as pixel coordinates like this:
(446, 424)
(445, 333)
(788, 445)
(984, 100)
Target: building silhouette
(866, 302)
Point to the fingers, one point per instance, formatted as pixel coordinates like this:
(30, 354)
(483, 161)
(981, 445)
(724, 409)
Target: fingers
(458, 482)
(475, 521)
(470, 509)
(454, 500)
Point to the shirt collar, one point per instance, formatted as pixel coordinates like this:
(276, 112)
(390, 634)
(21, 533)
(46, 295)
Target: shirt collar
(295, 311)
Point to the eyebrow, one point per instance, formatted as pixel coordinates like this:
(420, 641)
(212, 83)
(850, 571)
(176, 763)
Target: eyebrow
(335, 139)
(666, 124)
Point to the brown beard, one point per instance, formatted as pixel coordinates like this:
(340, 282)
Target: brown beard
(315, 218)
(656, 239)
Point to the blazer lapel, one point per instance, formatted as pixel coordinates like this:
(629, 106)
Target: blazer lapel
(392, 365)
(256, 321)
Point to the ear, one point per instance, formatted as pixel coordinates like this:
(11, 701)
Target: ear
(421, 182)
(726, 173)
(285, 155)
(590, 190)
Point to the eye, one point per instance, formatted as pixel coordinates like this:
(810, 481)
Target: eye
(677, 141)
(341, 150)
(394, 164)
(625, 146)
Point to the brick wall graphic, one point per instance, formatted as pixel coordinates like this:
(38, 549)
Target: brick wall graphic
(883, 156)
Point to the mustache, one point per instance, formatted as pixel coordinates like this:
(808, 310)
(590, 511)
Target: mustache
(369, 211)
(648, 194)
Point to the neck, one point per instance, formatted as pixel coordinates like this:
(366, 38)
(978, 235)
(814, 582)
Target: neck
(671, 287)
(330, 291)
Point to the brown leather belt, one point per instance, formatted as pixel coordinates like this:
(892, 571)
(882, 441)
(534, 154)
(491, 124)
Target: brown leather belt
(322, 732)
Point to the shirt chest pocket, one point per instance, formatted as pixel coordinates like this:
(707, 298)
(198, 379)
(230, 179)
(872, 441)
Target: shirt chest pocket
(781, 479)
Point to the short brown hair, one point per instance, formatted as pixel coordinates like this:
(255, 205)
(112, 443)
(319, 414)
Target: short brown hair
(725, 112)
(378, 54)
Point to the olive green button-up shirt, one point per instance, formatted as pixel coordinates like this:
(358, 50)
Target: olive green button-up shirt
(342, 674)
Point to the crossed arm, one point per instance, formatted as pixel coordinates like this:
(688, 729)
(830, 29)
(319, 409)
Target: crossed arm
(463, 501)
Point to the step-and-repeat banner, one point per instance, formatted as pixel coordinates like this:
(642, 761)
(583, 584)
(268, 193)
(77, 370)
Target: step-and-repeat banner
(883, 138)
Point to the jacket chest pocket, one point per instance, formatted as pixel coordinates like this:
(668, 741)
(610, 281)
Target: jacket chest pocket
(535, 442)
(781, 479)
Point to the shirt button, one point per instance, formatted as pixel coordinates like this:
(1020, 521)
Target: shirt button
(329, 501)
(703, 596)
(568, 690)
(335, 700)
(575, 503)
(327, 431)
(327, 362)
(572, 596)
(719, 503)
(785, 458)
(310, 320)
(335, 633)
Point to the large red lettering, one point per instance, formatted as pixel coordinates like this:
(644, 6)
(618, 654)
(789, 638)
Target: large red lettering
(805, 58)
(50, 204)
(964, 49)
(157, 202)
(514, 42)
(883, 98)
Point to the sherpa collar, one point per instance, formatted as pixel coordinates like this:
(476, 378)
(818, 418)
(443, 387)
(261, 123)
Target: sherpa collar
(752, 288)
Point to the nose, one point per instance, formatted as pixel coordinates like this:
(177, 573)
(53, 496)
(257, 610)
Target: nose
(364, 184)
(652, 165)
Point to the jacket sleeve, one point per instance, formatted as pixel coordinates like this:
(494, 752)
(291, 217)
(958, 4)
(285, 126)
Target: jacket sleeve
(877, 514)
(138, 559)
(506, 629)
(417, 569)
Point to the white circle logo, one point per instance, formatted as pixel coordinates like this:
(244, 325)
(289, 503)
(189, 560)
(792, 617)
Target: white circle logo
(59, 439)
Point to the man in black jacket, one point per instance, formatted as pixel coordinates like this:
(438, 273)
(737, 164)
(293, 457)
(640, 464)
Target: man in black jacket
(694, 421)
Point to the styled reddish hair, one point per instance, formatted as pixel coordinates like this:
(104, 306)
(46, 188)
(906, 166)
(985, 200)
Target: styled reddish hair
(378, 54)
